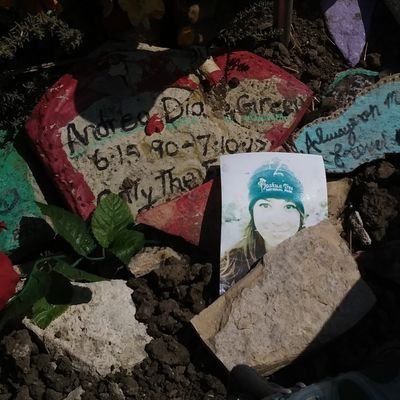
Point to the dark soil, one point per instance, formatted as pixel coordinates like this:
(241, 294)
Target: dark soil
(178, 366)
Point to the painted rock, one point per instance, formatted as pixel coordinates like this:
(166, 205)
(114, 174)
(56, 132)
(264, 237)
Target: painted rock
(348, 22)
(182, 216)
(367, 130)
(17, 199)
(139, 123)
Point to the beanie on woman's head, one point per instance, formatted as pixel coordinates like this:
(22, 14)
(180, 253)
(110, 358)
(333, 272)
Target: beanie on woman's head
(277, 181)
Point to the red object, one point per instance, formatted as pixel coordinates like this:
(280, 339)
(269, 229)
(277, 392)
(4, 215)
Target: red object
(154, 125)
(8, 280)
(182, 216)
(2, 226)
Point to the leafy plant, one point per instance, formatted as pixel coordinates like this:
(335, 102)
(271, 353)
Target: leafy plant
(108, 232)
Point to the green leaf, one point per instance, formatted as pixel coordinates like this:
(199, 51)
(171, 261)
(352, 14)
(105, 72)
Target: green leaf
(43, 312)
(36, 287)
(75, 274)
(126, 244)
(111, 216)
(72, 228)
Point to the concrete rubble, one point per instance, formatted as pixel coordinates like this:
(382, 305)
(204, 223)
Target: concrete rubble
(301, 295)
(98, 331)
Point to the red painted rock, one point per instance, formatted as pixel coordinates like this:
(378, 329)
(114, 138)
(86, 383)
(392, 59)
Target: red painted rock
(8, 278)
(180, 217)
(139, 124)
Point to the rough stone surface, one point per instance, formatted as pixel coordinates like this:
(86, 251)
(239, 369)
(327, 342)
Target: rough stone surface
(151, 258)
(365, 131)
(304, 293)
(148, 110)
(76, 394)
(337, 195)
(100, 335)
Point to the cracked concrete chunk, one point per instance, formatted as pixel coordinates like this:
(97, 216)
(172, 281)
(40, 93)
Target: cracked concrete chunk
(302, 294)
(99, 331)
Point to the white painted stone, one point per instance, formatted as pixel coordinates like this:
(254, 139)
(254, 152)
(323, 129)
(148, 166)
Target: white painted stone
(302, 294)
(100, 335)
(151, 258)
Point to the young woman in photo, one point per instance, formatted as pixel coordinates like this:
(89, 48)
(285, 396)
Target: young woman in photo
(276, 213)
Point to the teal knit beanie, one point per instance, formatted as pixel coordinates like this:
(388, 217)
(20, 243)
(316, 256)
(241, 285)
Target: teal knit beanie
(275, 180)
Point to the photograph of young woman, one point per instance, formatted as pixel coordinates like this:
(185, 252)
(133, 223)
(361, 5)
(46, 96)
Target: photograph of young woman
(266, 199)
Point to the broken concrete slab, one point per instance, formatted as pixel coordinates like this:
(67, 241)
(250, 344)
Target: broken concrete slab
(152, 258)
(348, 22)
(365, 131)
(302, 294)
(18, 210)
(98, 331)
(146, 109)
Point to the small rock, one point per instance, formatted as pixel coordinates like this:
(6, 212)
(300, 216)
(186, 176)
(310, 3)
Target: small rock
(168, 306)
(19, 346)
(145, 311)
(151, 258)
(52, 395)
(23, 394)
(37, 389)
(385, 170)
(282, 49)
(337, 195)
(130, 385)
(169, 351)
(374, 60)
(76, 394)
(115, 391)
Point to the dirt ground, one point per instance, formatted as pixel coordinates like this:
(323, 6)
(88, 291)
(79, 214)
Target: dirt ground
(178, 366)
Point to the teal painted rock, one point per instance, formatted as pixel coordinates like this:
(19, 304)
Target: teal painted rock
(365, 131)
(18, 193)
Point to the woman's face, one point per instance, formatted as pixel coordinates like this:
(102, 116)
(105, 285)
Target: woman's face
(275, 220)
